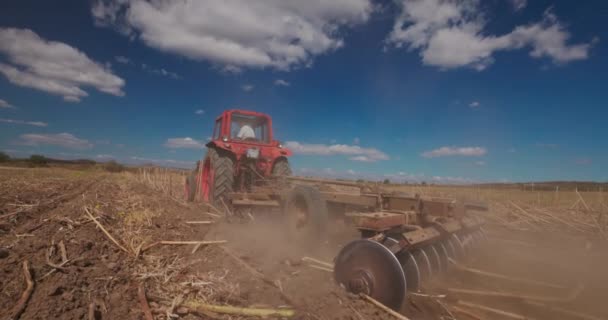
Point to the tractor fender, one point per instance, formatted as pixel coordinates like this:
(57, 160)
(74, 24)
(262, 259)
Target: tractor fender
(220, 145)
(221, 148)
(282, 152)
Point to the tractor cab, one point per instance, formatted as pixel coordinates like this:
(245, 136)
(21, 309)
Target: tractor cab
(240, 126)
(250, 128)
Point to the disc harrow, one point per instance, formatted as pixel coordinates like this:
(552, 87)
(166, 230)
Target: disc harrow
(400, 250)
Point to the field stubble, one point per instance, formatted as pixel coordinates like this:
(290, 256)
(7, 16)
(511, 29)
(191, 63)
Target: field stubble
(79, 272)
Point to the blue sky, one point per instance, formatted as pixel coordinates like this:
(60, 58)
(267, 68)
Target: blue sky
(433, 90)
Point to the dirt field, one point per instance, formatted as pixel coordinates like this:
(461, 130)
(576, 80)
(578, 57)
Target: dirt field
(554, 271)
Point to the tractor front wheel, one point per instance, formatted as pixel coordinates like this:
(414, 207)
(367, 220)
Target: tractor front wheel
(281, 168)
(217, 178)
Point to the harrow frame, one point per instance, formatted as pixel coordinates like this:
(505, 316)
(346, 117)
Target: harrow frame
(419, 234)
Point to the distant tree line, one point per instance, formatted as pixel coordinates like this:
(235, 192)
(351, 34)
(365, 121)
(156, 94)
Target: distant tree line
(34, 160)
(37, 160)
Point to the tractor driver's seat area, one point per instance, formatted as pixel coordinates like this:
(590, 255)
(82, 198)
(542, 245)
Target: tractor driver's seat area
(258, 124)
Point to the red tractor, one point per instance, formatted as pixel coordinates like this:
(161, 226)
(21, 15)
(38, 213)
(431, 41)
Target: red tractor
(241, 152)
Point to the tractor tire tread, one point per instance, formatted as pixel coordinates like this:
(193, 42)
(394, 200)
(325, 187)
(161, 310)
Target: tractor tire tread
(281, 168)
(223, 172)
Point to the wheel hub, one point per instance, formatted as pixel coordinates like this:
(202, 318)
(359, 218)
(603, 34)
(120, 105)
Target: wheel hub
(366, 266)
(362, 283)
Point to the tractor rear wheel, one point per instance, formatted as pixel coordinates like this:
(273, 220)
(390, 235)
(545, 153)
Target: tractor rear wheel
(281, 168)
(217, 178)
(306, 211)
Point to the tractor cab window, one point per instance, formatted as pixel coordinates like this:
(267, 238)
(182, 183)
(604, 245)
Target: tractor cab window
(217, 131)
(249, 128)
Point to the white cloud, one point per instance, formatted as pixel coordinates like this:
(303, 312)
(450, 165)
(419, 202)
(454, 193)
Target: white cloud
(122, 59)
(356, 153)
(66, 140)
(107, 14)
(31, 123)
(4, 104)
(281, 83)
(160, 71)
(519, 4)
(184, 143)
(480, 163)
(200, 112)
(356, 140)
(53, 67)
(455, 151)
(247, 87)
(450, 34)
(230, 69)
(147, 68)
(362, 159)
(236, 33)
(474, 104)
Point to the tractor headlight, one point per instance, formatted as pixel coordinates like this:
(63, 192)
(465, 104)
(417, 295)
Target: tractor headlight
(280, 146)
(253, 153)
(225, 139)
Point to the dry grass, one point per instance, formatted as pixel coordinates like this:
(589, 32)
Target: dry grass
(584, 213)
(541, 198)
(130, 215)
(161, 273)
(168, 181)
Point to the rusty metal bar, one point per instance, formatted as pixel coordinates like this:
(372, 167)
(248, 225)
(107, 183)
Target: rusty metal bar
(350, 198)
(325, 181)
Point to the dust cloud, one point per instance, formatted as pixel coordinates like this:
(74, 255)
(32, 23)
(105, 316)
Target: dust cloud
(562, 276)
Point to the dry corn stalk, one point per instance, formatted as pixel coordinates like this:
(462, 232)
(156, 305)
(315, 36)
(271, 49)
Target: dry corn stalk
(252, 312)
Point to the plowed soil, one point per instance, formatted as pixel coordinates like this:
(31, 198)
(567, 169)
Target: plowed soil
(260, 265)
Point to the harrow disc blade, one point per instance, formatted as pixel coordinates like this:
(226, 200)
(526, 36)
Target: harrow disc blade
(459, 247)
(424, 263)
(434, 258)
(466, 242)
(451, 248)
(476, 238)
(365, 266)
(411, 270)
(443, 254)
